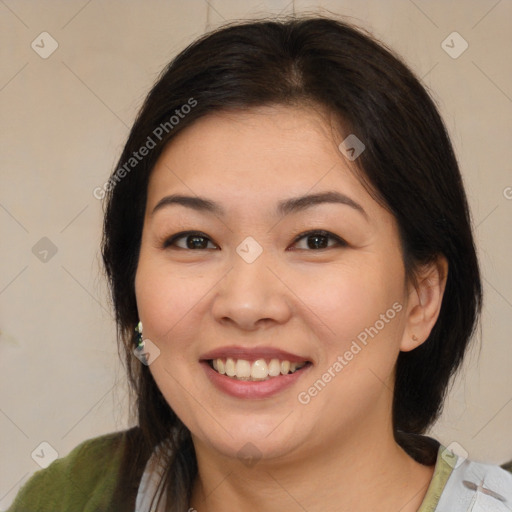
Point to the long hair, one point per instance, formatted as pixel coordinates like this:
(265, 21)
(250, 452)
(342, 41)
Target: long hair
(408, 165)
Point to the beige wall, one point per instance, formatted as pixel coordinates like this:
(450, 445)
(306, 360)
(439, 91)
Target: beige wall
(64, 121)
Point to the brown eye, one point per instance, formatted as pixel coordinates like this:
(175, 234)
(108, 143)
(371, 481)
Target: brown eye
(193, 241)
(320, 240)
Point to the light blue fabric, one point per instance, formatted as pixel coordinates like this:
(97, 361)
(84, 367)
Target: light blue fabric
(476, 487)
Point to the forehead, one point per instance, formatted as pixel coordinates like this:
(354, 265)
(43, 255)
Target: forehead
(245, 156)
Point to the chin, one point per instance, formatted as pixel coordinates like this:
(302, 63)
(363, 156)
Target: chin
(251, 442)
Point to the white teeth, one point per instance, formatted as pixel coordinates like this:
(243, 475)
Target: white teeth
(259, 369)
(242, 369)
(230, 367)
(274, 368)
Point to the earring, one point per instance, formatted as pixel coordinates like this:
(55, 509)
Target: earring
(138, 336)
(414, 337)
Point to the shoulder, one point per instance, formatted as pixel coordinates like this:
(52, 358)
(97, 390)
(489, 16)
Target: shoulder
(479, 484)
(83, 480)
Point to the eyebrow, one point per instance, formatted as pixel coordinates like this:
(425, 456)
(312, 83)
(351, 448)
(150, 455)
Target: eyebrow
(292, 205)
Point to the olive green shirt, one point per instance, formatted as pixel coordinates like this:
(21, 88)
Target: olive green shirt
(85, 480)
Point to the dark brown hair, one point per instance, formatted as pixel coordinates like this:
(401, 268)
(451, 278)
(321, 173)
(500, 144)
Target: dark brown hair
(408, 164)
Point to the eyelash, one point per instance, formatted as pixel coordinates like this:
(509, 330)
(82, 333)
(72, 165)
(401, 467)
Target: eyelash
(184, 234)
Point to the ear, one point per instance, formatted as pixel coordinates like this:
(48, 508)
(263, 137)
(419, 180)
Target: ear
(424, 303)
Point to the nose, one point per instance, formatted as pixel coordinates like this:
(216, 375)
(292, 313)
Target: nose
(251, 295)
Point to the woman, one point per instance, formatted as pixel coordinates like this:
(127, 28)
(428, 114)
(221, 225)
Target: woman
(292, 266)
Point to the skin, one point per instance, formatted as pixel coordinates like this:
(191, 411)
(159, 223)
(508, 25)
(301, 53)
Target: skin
(327, 454)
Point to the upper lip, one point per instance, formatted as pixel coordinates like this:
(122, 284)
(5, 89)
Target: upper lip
(252, 354)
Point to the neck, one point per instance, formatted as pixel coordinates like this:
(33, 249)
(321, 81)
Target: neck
(366, 471)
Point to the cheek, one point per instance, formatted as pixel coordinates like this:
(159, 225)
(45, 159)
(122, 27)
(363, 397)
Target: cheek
(346, 301)
(359, 315)
(167, 305)
(174, 302)
(167, 300)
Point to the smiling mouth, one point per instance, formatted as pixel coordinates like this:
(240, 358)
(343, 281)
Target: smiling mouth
(258, 370)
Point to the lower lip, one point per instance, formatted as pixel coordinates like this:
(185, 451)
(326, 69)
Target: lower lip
(252, 389)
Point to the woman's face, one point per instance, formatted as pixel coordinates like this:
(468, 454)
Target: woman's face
(253, 291)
